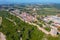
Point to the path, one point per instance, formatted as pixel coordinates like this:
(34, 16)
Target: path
(11, 21)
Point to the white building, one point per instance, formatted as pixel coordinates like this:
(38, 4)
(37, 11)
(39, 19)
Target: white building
(16, 12)
(53, 31)
(2, 36)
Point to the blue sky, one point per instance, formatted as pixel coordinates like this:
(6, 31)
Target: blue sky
(29, 1)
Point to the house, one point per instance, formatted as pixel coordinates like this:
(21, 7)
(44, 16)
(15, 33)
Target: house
(2, 36)
(15, 11)
(53, 31)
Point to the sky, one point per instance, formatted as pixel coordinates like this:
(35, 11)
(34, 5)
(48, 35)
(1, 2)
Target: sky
(29, 1)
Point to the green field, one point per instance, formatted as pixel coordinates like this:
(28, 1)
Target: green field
(48, 11)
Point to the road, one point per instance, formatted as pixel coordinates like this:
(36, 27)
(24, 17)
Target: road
(11, 21)
(40, 28)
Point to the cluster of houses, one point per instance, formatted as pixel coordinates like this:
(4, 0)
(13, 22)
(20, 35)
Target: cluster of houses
(27, 17)
(55, 24)
(15, 11)
(55, 20)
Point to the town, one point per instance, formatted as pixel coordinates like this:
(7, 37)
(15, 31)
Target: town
(27, 20)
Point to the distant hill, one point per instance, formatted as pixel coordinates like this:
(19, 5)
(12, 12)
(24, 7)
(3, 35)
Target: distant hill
(56, 6)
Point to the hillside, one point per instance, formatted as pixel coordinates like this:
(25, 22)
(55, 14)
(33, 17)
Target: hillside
(27, 32)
